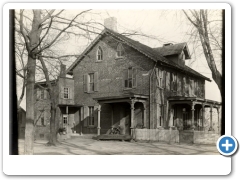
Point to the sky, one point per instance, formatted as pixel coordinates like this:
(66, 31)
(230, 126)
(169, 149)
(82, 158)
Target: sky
(161, 26)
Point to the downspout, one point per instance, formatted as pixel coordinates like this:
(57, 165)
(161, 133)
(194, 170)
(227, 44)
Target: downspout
(150, 92)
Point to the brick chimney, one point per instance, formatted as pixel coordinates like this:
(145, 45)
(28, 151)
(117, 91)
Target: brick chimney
(62, 70)
(111, 23)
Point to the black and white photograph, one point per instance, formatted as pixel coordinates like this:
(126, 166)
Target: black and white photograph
(115, 81)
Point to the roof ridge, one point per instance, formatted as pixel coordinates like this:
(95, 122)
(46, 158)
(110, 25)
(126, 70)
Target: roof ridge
(142, 48)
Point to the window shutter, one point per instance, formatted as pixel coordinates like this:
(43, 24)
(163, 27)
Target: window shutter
(96, 84)
(85, 83)
(163, 79)
(62, 92)
(168, 80)
(171, 81)
(183, 85)
(187, 86)
(95, 116)
(134, 77)
(190, 87)
(70, 94)
(193, 87)
(125, 78)
(85, 115)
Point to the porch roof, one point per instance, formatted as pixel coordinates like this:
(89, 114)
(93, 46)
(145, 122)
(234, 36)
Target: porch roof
(196, 100)
(70, 105)
(122, 98)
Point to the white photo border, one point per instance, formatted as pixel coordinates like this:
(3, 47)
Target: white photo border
(137, 165)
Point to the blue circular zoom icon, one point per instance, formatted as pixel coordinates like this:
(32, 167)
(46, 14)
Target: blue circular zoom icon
(227, 145)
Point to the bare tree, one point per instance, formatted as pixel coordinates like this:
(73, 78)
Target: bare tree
(210, 40)
(21, 70)
(41, 30)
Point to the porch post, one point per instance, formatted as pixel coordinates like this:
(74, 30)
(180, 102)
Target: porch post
(193, 127)
(66, 109)
(144, 116)
(98, 127)
(80, 119)
(112, 118)
(67, 119)
(211, 128)
(203, 116)
(218, 120)
(132, 116)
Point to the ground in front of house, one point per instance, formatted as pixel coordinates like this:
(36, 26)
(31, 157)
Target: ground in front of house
(88, 146)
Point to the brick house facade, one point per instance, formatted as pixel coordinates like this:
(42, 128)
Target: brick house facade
(120, 82)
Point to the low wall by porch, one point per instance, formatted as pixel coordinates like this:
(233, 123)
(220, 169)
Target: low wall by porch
(205, 137)
(161, 135)
(173, 136)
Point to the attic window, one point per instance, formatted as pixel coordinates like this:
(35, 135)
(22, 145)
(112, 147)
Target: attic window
(120, 50)
(99, 54)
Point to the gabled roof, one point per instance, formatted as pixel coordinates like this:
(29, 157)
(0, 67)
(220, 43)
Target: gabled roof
(147, 51)
(173, 49)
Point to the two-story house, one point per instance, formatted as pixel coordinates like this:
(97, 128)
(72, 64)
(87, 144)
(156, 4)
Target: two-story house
(149, 92)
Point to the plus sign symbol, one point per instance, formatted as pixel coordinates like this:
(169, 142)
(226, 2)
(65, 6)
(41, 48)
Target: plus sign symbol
(227, 145)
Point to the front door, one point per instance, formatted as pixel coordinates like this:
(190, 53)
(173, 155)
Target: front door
(186, 121)
(65, 122)
(127, 121)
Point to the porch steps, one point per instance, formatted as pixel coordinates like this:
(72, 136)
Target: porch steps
(83, 136)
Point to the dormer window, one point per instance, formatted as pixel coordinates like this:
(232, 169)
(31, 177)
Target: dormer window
(120, 50)
(99, 54)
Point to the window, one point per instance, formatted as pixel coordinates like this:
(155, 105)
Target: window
(65, 120)
(90, 82)
(66, 93)
(99, 54)
(161, 118)
(120, 50)
(191, 87)
(130, 76)
(161, 80)
(174, 82)
(91, 116)
(196, 87)
(42, 94)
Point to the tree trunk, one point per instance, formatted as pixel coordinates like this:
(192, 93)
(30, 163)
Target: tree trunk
(29, 128)
(34, 36)
(53, 133)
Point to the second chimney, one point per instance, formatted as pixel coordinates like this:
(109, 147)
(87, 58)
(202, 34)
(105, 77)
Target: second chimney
(111, 23)
(63, 70)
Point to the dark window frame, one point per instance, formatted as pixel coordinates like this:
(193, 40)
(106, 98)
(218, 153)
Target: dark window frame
(131, 80)
(91, 82)
(99, 54)
(66, 93)
(120, 50)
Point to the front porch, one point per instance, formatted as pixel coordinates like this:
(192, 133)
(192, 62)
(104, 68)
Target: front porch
(188, 120)
(191, 113)
(127, 113)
